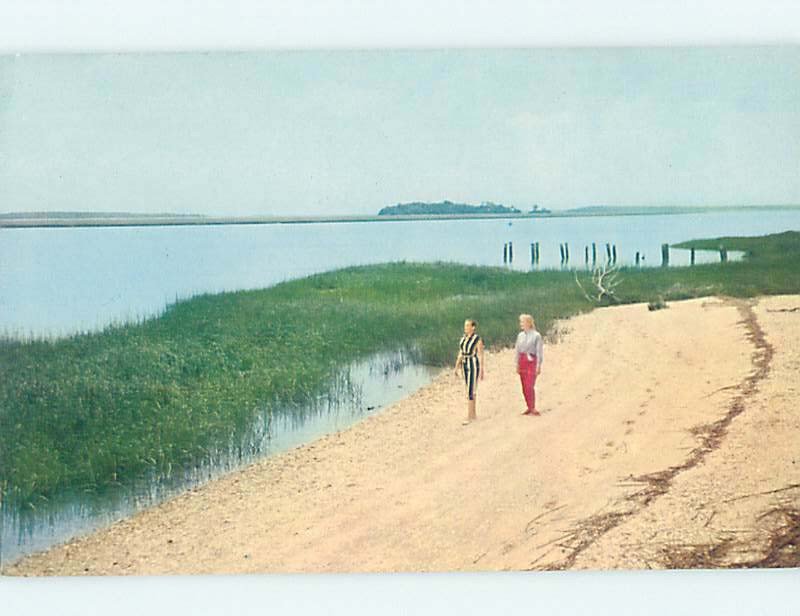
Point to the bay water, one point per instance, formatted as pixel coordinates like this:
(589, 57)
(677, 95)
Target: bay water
(61, 281)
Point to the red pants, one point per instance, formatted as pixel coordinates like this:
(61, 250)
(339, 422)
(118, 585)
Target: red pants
(527, 376)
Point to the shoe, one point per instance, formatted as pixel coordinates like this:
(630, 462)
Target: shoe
(466, 422)
(535, 412)
(528, 412)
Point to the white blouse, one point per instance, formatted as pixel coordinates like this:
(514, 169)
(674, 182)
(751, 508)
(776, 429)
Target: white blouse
(530, 343)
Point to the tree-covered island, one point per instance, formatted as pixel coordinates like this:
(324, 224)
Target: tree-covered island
(446, 208)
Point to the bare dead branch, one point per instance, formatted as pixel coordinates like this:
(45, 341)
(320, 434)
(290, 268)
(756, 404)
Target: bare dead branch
(541, 515)
(789, 487)
(580, 286)
(605, 280)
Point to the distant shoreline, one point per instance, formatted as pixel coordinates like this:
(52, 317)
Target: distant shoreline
(22, 221)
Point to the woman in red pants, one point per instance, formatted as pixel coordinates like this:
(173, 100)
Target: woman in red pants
(529, 347)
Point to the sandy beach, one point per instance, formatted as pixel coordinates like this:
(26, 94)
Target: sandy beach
(667, 439)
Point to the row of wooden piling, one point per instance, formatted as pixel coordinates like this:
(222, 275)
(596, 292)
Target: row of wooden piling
(508, 252)
(611, 254)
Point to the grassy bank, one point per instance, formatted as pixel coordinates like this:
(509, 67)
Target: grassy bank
(142, 400)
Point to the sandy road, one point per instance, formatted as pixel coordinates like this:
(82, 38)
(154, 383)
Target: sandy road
(668, 439)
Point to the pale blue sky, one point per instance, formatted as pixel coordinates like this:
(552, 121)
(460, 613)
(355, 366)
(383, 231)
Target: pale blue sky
(313, 132)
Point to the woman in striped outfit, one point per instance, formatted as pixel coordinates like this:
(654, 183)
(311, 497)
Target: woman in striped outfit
(529, 356)
(470, 362)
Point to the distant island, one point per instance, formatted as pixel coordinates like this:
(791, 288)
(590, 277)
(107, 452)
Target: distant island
(448, 208)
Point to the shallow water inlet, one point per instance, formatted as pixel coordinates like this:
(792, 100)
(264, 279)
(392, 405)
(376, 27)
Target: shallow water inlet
(357, 391)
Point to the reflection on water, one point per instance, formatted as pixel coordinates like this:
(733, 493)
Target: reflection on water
(678, 257)
(356, 392)
(57, 282)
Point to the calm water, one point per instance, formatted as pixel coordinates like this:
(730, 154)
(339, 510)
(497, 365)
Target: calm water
(61, 281)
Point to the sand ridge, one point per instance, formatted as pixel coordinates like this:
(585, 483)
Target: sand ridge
(667, 439)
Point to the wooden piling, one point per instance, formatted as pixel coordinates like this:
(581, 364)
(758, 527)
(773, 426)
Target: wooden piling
(561, 250)
(566, 252)
(505, 252)
(594, 253)
(692, 256)
(510, 253)
(586, 254)
(614, 254)
(637, 258)
(664, 255)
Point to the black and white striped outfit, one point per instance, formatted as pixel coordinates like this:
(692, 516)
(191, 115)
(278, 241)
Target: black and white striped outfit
(470, 362)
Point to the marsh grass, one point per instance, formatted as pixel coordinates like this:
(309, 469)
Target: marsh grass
(148, 399)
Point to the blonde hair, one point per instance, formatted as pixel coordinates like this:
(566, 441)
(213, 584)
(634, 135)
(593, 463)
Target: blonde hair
(528, 318)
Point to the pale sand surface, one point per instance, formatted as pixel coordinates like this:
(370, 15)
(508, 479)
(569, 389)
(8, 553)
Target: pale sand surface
(667, 439)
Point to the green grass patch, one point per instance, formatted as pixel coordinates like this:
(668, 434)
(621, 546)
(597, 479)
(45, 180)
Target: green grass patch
(142, 400)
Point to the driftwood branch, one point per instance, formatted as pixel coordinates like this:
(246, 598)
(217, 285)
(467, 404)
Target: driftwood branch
(605, 279)
(727, 387)
(793, 486)
(541, 515)
(538, 558)
(580, 286)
